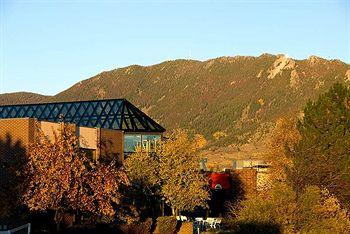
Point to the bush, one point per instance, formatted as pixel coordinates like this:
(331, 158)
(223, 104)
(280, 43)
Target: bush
(166, 225)
(138, 227)
(315, 210)
(186, 227)
(319, 212)
(256, 227)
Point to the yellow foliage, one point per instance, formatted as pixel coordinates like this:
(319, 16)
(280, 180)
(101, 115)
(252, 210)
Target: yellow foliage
(141, 168)
(314, 211)
(219, 134)
(184, 186)
(283, 138)
(321, 212)
(261, 101)
(173, 169)
(199, 141)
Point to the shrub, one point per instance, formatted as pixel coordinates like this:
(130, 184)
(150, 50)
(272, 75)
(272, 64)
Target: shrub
(138, 227)
(256, 227)
(186, 227)
(166, 225)
(315, 210)
(319, 212)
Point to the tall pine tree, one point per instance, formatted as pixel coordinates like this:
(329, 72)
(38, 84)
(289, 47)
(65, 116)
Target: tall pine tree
(322, 156)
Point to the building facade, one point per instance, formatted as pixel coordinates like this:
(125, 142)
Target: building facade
(105, 128)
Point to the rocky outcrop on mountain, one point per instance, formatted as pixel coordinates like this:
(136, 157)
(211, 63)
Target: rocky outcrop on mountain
(294, 79)
(238, 95)
(347, 76)
(281, 63)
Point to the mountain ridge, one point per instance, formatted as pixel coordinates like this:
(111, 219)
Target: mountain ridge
(237, 98)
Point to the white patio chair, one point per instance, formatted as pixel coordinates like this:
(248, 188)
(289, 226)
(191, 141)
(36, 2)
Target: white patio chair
(199, 224)
(183, 218)
(210, 222)
(199, 221)
(217, 223)
(178, 218)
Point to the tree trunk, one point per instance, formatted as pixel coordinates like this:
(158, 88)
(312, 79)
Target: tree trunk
(162, 207)
(58, 219)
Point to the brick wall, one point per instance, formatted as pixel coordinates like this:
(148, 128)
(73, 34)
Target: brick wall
(245, 181)
(15, 138)
(16, 135)
(111, 145)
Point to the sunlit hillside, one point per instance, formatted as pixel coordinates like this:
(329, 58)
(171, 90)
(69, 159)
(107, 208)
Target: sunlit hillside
(231, 100)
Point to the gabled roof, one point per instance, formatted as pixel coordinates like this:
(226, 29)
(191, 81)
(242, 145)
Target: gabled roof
(117, 114)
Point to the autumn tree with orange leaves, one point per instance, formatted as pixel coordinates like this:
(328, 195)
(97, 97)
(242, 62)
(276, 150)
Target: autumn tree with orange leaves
(63, 179)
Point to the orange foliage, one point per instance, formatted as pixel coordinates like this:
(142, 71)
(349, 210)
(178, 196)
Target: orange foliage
(63, 179)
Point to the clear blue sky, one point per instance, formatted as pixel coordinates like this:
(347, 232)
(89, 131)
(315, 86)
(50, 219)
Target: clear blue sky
(47, 46)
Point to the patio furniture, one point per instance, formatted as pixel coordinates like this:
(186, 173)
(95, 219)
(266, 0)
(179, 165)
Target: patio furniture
(216, 223)
(199, 224)
(183, 218)
(210, 222)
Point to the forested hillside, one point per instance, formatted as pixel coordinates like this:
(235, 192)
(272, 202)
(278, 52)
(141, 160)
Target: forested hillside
(228, 99)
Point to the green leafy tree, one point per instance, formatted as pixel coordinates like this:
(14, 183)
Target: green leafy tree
(322, 156)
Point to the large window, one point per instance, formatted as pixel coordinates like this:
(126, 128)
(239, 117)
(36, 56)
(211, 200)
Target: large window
(131, 142)
(147, 142)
